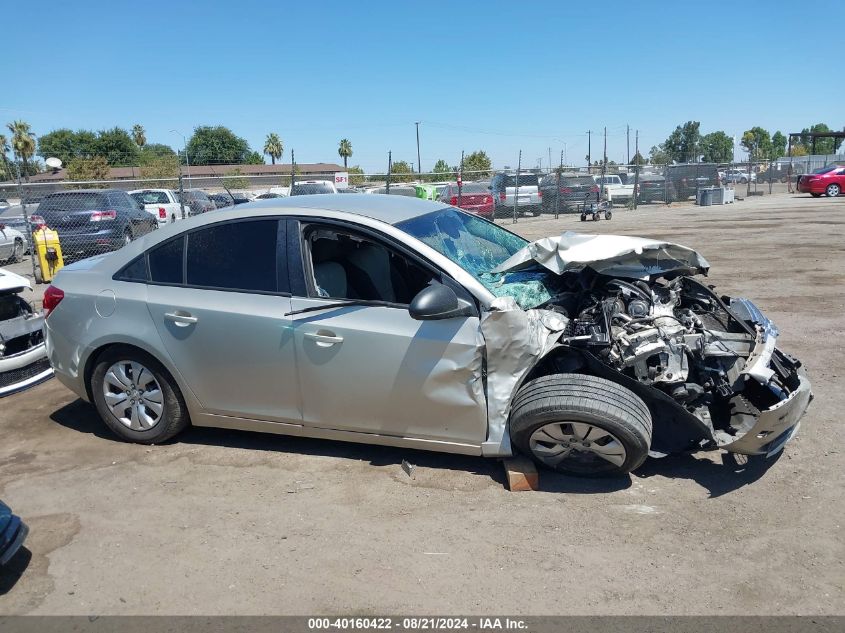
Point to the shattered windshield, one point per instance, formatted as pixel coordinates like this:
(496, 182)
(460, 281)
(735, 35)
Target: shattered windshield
(479, 246)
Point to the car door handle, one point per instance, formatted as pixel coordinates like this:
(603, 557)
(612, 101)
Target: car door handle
(180, 318)
(323, 339)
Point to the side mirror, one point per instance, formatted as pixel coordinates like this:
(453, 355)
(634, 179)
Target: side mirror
(437, 302)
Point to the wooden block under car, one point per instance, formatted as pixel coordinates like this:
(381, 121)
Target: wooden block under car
(522, 474)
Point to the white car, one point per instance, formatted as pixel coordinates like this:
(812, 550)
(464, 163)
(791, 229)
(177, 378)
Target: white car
(739, 176)
(310, 187)
(12, 244)
(162, 203)
(23, 356)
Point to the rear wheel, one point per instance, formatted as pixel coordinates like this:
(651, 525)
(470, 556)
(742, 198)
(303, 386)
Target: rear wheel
(833, 190)
(136, 396)
(581, 425)
(816, 195)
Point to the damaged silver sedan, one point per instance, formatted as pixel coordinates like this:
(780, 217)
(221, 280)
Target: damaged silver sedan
(402, 322)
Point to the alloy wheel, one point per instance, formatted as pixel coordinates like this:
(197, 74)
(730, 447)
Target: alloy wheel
(833, 191)
(580, 442)
(133, 395)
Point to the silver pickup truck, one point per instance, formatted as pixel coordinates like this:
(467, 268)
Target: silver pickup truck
(524, 194)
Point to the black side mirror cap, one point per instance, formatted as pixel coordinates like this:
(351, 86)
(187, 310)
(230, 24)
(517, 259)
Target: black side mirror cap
(436, 302)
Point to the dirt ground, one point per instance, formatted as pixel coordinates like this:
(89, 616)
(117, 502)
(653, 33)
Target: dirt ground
(223, 522)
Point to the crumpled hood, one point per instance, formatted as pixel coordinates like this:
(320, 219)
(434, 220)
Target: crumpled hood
(10, 281)
(614, 255)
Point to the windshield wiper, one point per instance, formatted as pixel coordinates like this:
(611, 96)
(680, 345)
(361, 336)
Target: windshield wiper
(329, 306)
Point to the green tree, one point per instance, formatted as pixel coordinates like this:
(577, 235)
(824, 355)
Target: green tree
(4, 150)
(717, 147)
(401, 172)
(477, 165)
(441, 171)
(94, 168)
(823, 145)
(216, 145)
(778, 145)
(684, 144)
(235, 179)
(355, 175)
(152, 150)
(253, 158)
(23, 143)
(638, 159)
(757, 143)
(344, 150)
(117, 147)
(139, 135)
(159, 165)
(274, 147)
(658, 156)
(59, 144)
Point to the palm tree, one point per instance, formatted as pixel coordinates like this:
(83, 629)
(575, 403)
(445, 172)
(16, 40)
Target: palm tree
(4, 149)
(139, 135)
(344, 150)
(274, 147)
(23, 143)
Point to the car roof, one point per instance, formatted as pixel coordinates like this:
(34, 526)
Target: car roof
(382, 207)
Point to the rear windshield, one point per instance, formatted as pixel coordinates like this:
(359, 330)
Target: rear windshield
(825, 170)
(150, 197)
(197, 195)
(72, 202)
(309, 188)
(472, 187)
(525, 180)
(577, 181)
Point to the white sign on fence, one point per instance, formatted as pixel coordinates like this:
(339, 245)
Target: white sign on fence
(341, 179)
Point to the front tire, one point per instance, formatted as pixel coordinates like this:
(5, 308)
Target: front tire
(137, 397)
(581, 425)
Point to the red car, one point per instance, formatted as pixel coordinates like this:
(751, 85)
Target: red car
(829, 180)
(475, 197)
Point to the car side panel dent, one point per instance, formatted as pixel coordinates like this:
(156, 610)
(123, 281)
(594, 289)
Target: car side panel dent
(515, 341)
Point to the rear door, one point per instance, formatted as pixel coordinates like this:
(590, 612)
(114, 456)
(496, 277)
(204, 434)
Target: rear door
(218, 297)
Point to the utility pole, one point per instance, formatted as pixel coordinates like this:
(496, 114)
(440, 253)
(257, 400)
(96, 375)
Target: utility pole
(603, 165)
(589, 152)
(516, 188)
(557, 184)
(628, 141)
(550, 159)
(636, 168)
(419, 163)
(564, 155)
(389, 169)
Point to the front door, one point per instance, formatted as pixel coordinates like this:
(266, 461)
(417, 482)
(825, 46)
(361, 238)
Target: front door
(370, 367)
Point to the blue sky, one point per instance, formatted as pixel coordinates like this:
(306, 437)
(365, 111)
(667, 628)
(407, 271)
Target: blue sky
(498, 76)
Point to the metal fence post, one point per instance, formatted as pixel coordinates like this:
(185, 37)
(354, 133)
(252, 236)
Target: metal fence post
(516, 189)
(181, 196)
(29, 234)
(460, 179)
(389, 169)
(292, 171)
(636, 168)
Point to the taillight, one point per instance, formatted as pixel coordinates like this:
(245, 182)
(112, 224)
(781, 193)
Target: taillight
(566, 190)
(454, 201)
(595, 189)
(96, 216)
(52, 297)
(162, 213)
(502, 196)
(540, 194)
(37, 222)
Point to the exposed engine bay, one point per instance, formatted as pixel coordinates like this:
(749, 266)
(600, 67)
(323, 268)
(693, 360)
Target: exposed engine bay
(646, 317)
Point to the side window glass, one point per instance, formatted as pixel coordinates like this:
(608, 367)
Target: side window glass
(166, 262)
(234, 256)
(349, 266)
(135, 270)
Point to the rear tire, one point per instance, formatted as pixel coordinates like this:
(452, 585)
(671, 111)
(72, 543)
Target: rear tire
(172, 415)
(581, 425)
(816, 195)
(833, 190)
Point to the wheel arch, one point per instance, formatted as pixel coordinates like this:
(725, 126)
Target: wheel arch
(675, 429)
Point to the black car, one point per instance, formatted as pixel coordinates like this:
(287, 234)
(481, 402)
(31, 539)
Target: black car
(686, 178)
(13, 532)
(575, 189)
(197, 200)
(93, 221)
(222, 200)
(652, 188)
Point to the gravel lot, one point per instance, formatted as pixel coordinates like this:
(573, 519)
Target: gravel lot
(224, 522)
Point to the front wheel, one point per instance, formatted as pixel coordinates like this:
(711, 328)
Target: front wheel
(137, 397)
(581, 425)
(833, 190)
